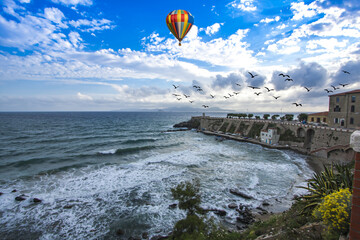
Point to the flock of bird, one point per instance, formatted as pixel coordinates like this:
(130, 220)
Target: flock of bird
(268, 90)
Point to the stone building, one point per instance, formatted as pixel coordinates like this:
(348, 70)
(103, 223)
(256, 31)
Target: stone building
(344, 109)
(321, 117)
(270, 136)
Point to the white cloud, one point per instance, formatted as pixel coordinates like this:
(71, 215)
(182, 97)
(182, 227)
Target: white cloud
(75, 39)
(25, 1)
(84, 97)
(302, 10)
(210, 30)
(92, 25)
(54, 15)
(74, 2)
(243, 5)
(282, 26)
(269, 20)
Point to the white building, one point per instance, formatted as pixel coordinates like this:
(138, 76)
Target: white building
(270, 136)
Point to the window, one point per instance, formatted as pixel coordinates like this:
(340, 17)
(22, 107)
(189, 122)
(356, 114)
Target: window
(312, 119)
(351, 120)
(337, 108)
(317, 120)
(352, 108)
(353, 98)
(324, 119)
(336, 120)
(342, 122)
(337, 99)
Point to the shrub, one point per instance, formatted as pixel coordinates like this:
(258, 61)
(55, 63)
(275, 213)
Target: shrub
(335, 211)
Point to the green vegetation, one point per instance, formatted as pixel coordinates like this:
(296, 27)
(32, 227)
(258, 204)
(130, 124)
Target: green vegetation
(250, 115)
(332, 179)
(257, 117)
(232, 128)
(302, 117)
(275, 116)
(255, 130)
(289, 135)
(266, 116)
(223, 127)
(289, 117)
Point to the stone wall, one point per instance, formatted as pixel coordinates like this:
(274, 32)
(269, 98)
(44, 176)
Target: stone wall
(325, 142)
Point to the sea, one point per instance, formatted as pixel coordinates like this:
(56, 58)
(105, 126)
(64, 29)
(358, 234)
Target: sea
(108, 175)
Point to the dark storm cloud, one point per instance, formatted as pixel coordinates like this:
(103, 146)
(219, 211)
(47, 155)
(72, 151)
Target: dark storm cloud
(257, 81)
(307, 74)
(353, 67)
(319, 27)
(230, 80)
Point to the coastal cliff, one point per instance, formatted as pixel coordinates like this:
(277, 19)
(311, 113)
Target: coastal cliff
(323, 142)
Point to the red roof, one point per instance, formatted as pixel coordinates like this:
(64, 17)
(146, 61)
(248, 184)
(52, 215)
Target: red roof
(319, 114)
(344, 93)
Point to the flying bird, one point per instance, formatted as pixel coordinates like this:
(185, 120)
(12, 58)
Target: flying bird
(276, 97)
(175, 86)
(236, 93)
(252, 76)
(307, 89)
(297, 104)
(257, 93)
(186, 96)
(334, 87)
(230, 95)
(345, 72)
(268, 89)
(196, 86)
(289, 79)
(238, 84)
(178, 99)
(328, 91)
(282, 75)
(226, 97)
(176, 95)
(199, 89)
(212, 96)
(344, 84)
(253, 87)
(191, 101)
(205, 106)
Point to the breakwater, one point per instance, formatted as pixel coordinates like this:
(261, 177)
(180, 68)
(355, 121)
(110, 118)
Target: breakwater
(325, 142)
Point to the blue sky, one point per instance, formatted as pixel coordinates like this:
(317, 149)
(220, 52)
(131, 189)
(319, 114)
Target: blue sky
(90, 55)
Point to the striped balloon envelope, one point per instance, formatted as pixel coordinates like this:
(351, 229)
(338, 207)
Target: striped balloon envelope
(179, 22)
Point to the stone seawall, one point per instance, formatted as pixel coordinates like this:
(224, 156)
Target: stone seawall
(324, 142)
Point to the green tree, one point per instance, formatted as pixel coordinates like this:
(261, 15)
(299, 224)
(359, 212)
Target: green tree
(250, 115)
(289, 117)
(302, 117)
(266, 116)
(187, 193)
(274, 117)
(257, 117)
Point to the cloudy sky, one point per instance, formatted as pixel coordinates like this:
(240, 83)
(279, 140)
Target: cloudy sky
(92, 55)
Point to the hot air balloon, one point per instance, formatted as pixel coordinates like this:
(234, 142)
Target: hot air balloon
(179, 22)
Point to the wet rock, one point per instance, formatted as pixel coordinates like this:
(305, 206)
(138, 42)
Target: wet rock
(1, 193)
(20, 198)
(240, 194)
(120, 232)
(145, 235)
(14, 190)
(134, 238)
(232, 205)
(37, 200)
(172, 206)
(68, 206)
(219, 212)
(158, 237)
(265, 204)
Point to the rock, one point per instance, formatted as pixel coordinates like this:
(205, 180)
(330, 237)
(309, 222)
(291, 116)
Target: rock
(145, 235)
(192, 123)
(265, 204)
(158, 237)
(232, 205)
(119, 232)
(20, 198)
(219, 212)
(174, 205)
(37, 200)
(68, 206)
(1, 193)
(241, 194)
(134, 238)
(14, 190)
